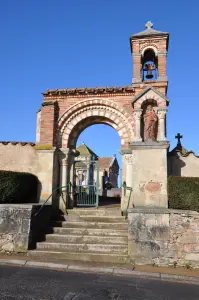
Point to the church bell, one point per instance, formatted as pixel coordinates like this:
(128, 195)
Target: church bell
(149, 68)
(149, 74)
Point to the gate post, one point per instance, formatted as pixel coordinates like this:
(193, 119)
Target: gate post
(126, 176)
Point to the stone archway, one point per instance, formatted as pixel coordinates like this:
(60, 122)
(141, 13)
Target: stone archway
(84, 114)
(94, 111)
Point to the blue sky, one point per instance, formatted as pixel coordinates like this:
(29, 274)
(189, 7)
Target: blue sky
(85, 43)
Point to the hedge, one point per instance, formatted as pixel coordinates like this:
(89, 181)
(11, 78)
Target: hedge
(183, 193)
(18, 187)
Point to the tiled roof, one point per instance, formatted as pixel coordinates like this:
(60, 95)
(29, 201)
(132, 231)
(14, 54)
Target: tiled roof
(16, 143)
(105, 162)
(87, 91)
(84, 150)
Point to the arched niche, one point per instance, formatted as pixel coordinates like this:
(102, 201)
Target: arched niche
(148, 120)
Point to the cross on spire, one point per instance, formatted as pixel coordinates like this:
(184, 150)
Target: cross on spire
(149, 25)
(178, 137)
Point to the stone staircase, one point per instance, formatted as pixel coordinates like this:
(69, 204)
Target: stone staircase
(92, 235)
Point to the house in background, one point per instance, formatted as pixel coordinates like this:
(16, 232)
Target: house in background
(85, 171)
(108, 171)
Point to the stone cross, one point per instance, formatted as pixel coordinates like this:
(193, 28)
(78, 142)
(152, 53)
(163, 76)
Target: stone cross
(149, 25)
(178, 137)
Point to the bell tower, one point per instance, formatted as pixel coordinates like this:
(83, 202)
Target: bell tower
(149, 52)
(150, 145)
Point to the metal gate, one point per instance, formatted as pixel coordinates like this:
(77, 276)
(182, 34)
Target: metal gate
(87, 193)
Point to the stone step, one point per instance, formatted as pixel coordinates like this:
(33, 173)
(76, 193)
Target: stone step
(97, 248)
(95, 212)
(90, 231)
(86, 257)
(60, 238)
(96, 225)
(104, 219)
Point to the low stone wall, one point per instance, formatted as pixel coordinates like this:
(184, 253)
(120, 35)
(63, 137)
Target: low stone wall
(164, 237)
(18, 156)
(23, 157)
(19, 228)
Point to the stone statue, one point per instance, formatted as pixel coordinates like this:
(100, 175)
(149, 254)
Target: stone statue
(150, 119)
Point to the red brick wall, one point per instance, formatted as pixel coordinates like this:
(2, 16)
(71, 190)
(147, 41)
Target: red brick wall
(47, 130)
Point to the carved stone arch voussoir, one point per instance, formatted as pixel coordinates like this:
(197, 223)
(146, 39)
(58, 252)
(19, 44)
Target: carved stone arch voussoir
(149, 46)
(115, 116)
(87, 103)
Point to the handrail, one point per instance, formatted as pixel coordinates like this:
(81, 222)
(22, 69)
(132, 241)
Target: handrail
(58, 188)
(130, 189)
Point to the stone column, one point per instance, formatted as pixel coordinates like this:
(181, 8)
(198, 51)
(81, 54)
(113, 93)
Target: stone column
(63, 159)
(161, 118)
(137, 114)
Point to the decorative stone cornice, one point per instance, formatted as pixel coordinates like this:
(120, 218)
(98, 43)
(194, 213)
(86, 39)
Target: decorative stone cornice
(149, 145)
(125, 151)
(162, 78)
(136, 54)
(162, 53)
(44, 147)
(47, 103)
(89, 91)
(5, 143)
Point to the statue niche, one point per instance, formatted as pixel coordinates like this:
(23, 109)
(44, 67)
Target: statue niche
(150, 124)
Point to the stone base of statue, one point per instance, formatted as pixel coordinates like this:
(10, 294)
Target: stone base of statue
(149, 173)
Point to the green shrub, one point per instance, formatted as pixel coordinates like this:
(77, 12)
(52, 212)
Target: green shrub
(18, 187)
(183, 193)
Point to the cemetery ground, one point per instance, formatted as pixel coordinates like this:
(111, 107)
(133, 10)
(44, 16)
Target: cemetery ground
(39, 284)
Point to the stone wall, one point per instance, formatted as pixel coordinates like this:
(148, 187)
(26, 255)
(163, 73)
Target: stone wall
(187, 166)
(19, 228)
(20, 157)
(164, 237)
(23, 157)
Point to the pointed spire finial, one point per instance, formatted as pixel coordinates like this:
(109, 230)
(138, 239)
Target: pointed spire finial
(149, 25)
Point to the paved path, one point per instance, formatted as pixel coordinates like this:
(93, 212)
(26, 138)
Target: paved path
(41, 284)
